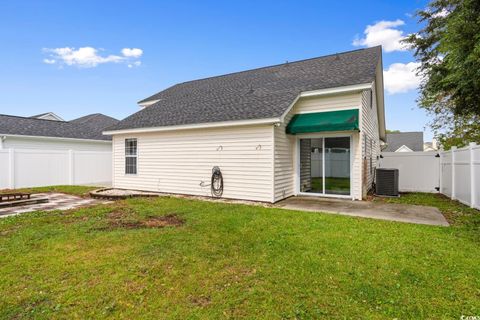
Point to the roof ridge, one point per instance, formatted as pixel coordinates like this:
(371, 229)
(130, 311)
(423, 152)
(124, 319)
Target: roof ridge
(264, 67)
(31, 118)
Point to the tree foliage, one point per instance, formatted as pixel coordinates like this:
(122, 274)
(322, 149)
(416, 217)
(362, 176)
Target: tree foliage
(448, 48)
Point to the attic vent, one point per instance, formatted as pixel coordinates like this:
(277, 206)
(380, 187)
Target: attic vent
(387, 182)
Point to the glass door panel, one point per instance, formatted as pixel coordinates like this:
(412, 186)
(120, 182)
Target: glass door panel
(311, 165)
(337, 165)
(316, 173)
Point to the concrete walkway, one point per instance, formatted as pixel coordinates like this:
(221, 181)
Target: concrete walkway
(57, 201)
(367, 209)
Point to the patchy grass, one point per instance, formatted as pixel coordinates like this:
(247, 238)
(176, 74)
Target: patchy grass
(74, 190)
(232, 261)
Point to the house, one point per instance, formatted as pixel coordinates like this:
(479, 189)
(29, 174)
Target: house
(48, 116)
(49, 131)
(310, 127)
(45, 150)
(430, 146)
(404, 142)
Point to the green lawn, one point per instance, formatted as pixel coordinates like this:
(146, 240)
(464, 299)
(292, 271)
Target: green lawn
(335, 185)
(235, 261)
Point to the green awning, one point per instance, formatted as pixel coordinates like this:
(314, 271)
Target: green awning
(341, 120)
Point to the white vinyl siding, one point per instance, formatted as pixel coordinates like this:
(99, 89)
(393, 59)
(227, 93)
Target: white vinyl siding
(328, 103)
(285, 144)
(179, 161)
(370, 140)
(284, 161)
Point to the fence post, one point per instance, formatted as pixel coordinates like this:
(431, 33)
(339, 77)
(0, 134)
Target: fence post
(472, 175)
(440, 171)
(71, 169)
(452, 150)
(11, 168)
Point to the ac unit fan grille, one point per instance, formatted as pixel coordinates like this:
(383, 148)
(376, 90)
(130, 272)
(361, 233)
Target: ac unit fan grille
(387, 182)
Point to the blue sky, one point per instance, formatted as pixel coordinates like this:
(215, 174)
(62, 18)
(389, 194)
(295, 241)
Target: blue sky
(42, 68)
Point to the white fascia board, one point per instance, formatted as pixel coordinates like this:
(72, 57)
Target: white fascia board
(344, 89)
(147, 103)
(380, 96)
(327, 91)
(195, 126)
(54, 138)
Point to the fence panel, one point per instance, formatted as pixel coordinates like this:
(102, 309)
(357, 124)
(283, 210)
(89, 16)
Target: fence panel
(446, 173)
(92, 166)
(418, 171)
(462, 175)
(36, 168)
(4, 169)
(21, 168)
(476, 176)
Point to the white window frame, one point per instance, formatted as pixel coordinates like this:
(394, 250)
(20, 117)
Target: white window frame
(131, 156)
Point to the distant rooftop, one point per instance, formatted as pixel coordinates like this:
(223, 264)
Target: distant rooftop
(412, 140)
(87, 127)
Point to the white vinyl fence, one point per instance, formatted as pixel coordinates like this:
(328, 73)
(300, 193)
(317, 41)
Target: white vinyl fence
(454, 173)
(21, 168)
(337, 164)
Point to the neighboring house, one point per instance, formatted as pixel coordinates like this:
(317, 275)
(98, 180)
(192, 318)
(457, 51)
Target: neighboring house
(404, 142)
(311, 127)
(48, 131)
(48, 116)
(430, 146)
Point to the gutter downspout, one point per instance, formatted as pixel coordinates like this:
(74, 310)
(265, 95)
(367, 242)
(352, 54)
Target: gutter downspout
(3, 138)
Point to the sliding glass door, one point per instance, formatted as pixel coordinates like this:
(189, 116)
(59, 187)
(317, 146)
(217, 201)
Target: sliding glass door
(325, 165)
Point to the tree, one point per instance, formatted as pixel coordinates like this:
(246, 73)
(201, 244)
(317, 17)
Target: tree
(448, 48)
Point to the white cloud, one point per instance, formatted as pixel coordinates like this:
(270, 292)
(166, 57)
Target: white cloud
(133, 52)
(87, 57)
(135, 64)
(383, 33)
(401, 77)
(441, 14)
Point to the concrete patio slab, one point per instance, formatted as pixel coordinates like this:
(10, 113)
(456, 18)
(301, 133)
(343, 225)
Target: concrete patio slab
(367, 209)
(57, 201)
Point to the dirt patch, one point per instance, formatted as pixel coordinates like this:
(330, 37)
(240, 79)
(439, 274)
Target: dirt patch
(121, 219)
(201, 301)
(7, 232)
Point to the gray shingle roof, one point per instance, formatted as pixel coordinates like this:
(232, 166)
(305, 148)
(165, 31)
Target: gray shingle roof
(88, 127)
(254, 94)
(413, 140)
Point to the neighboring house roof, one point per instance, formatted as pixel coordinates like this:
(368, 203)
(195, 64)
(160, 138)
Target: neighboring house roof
(261, 93)
(90, 128)
(48, 116)
(411, 140)
(404, 148)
